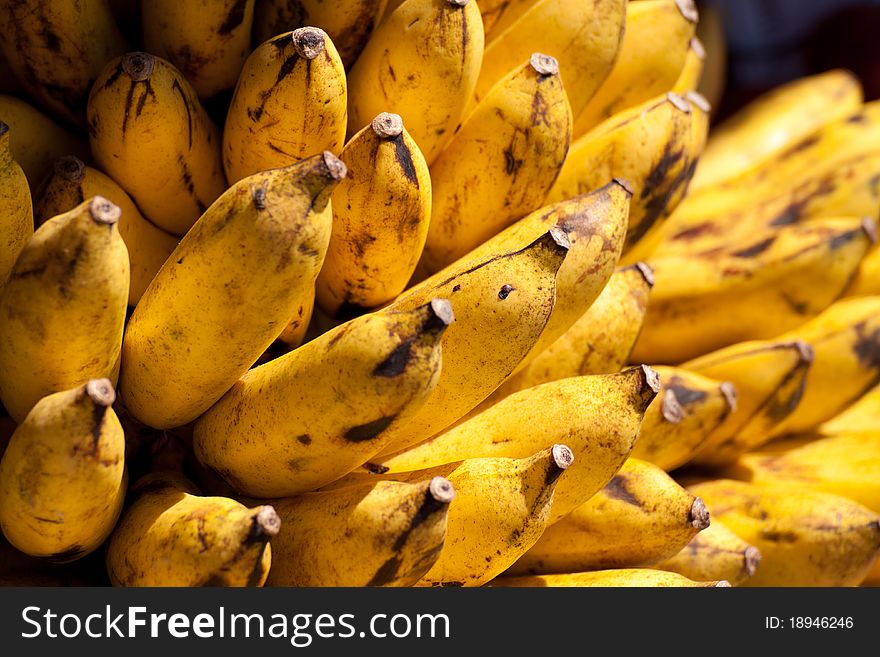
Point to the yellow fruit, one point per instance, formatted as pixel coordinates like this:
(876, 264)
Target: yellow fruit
(16, 213)
(626, 577)
(692, 71)
(862, 415)
(715, 553)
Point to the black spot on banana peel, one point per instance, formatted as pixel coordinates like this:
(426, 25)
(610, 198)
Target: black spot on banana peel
(234, 18)
(616, 489)
(505, 291)
(867, 347)
(370, 430)
(755, 249)
(685, 396)
(404, 158)
(779, 536)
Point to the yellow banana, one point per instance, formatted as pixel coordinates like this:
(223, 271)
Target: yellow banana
(639, 518)
(422, 63)
(63, 307)
(597, 416)
(295, 333)
(16, 209)
(57, 49)
(246, 264)
(150, 134)
(775, 121)
(171, 536)
(380, 219)
(148, 245)
(349, 24)
(206, 40)
(775, 283)
(289, 103)
(625, 577)
(805, 539)
(36, 140)
(862, 415)
(387, 533)
(715, 553)
(651, 58)
(62, 477)
(297, 422)
(499, 14)
(692, 71)
(867, 278)
(584, 37)
(687, 410)
(873, 576)
(500, 163)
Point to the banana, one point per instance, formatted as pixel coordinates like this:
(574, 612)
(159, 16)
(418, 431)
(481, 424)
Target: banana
(295, 333)
(36, 140)
(171, 536)
(867, 278)
(387, 533)
(148, 131)
(806, 539)
(205, 40)
(625, 577)
(639, 518)
(148, 245)
(778, 281)
(692, 71)
(873, 577)
(715, 553)
(862, 415)
(63, 307)
(297, 422)
(769, 378)
(600, 341)
(380, 219)
(774, 122)
(651, 57)
(501, 162)
(422, 63)
(597, 416)
(289, 103)
(499, 14)
(687, 410)
(584, 37)
(62, 477)
(16, 209)
(246, 264)
(56, 50)
(349, 24)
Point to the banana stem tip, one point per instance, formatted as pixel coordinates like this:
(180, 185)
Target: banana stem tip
(544, 64)
(442, 490)
(104, 211)
(387, 125)
(138, 65)
(70, 168)
(267, 523)
(699, 514)
(309, 41)
(335, 167)
(101, 392)
(751, 559)
(562, 456)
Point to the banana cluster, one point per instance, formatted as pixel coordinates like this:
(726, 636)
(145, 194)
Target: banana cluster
(428, 293)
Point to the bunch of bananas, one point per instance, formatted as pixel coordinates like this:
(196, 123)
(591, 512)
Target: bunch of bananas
(432, 293)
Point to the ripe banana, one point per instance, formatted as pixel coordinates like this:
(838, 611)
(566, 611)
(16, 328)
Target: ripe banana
(56, 50)
(692, 71)
(687, 410)
(63, 307)
(862, 415)
(807, 539)
(148, 246)
(171, 536)
(295, 333)
(639, 518)
(62, 477)
(715, 553)
(246, 264)
(349, 24)
(498, 15)
(867, 278)
(289, 103)
(597, 416)
(309, 417)
(501, 162)
(422, 63)
(150, 134)
(625, 577)
(205, 40)
(16, 209)
(651, 58)
(386, 533)
(380, 219)
(584, 37)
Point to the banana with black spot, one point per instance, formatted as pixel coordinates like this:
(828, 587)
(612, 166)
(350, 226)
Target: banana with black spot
(713, 554)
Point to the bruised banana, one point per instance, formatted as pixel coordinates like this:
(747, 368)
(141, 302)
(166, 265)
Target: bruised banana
(862, 415)
(396, 529)
(171, 536)
(307, 418)
(63, 307)
(289, 103)
(380, 219)
(625, 577)
(246, 264)
(148, 245)
(422, 63)
(639, 518)
(62, 477)
(715, 553)
(692, 71)
(16, 209)
(598, 416)
(149, 133)
(584, 37)
(57, 49)
(684, 414)
(206, 40)
(806, 539)
(500, 163)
